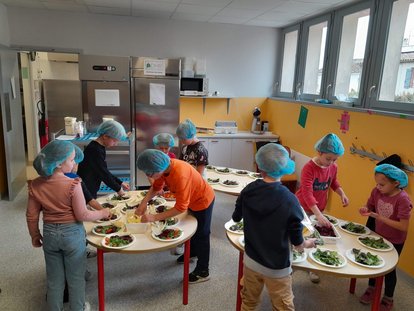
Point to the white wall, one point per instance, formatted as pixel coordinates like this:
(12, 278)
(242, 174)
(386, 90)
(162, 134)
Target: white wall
(4, 26)
(241, 60)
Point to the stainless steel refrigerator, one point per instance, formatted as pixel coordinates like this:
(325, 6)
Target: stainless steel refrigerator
(155, 96)
(62, 98)
(106, 94)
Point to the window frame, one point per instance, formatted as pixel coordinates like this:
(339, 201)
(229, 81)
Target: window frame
(374, 58)
(299, 95)
(337, 29)
(279, 93)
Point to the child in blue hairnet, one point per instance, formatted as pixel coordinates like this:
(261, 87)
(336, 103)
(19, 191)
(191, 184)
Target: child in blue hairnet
(93, 169)
(193, 150)
(272, 222)
(62, 203)
(164, 142)
(317, 177)
(391, 207)
(192, 193)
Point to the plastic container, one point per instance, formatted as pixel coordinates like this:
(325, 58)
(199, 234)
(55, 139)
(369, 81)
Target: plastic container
(330, 239)
(137, 228)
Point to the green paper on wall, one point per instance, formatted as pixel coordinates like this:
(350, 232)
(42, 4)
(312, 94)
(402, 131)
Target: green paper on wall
(303, 116)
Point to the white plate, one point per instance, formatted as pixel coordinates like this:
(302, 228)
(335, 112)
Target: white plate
(367, 231)
(119, 234)
(230, 186)
(253, 175)
(118, 216)
(171, 240)
(105, 234)
(143, 193)
(109, 198)
(124, 206)
(341, 258)
(176, 223)
(230, 223)
(351, 256)
(161, 201)
(213, 182)
(302, 257)
(241, 241)
(217, 170)
(376, 249)
(313, 218)
(235, 172)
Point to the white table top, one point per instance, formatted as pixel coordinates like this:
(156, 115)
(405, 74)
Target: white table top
(242, 180)
(144, 242)
(350, 270)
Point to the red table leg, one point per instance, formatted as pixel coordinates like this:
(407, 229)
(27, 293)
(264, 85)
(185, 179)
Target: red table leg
(352, 285)
(101, 280)
(186, 271)
(239, 287)
(377, 293)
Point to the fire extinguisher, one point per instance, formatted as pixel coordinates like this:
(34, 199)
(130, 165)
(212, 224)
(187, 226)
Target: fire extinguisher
(43, 124)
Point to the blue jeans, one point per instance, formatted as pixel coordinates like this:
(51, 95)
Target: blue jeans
(200, 242)
(64, 246)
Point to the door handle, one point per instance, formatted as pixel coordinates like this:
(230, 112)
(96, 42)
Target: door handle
(371, 90)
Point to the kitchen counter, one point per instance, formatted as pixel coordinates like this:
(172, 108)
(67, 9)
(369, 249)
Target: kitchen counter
(240, 134)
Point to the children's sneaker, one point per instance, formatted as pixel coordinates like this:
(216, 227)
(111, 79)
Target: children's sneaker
(86, 307)
(198, 277)
(386, 304)
(368, 296)
(314, 277)
(181, 259)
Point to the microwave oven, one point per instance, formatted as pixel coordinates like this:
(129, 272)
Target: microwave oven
(194, 86)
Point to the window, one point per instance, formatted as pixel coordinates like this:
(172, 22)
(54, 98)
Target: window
(351, 59)
(398, 74)
(362, 53)
(315, 54)
(289, 62)
(288, 68)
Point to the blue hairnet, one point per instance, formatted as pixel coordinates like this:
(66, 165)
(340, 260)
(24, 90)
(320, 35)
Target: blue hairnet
(394, 173)
(54, 154)
(153, 161)
(163, 139)
(186, 130)
(273, 159)
(113, 129)
(330, 143)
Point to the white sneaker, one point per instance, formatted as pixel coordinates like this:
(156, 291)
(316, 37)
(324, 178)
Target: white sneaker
(86, 306)
(178, 250)
(314, 277)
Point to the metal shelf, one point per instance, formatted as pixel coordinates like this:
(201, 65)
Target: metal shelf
(373, 156)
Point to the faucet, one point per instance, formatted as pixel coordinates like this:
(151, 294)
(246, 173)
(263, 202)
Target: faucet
(53, 135)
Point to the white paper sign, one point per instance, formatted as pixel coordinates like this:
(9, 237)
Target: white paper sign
(154, 67)
(108, 98)
(157, 94)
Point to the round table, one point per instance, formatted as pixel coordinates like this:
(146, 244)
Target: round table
(350, 270)
(144, 243)
(243, 180)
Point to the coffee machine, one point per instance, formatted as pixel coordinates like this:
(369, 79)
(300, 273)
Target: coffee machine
(256, 125)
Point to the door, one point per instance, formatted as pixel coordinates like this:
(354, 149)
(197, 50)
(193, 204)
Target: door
(13, 160)
(242, 151)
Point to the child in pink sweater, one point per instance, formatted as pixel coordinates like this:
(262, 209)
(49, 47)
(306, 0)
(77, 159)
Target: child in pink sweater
(61, 201)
